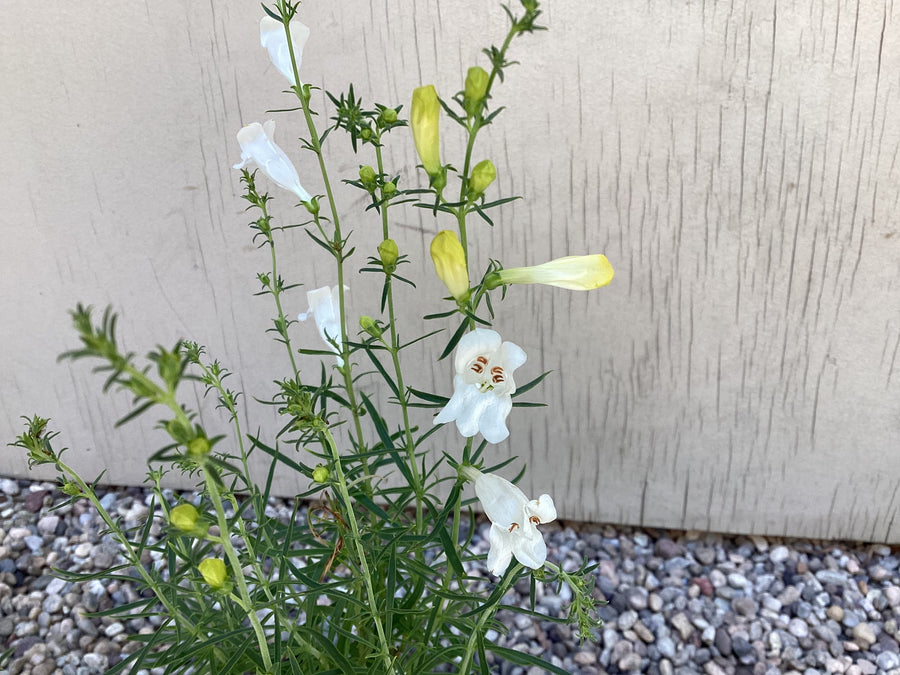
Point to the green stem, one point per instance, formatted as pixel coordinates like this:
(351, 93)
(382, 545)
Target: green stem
(276, 293)
(337, 245)
(341, 485)
(486, 615)
(395, 357)
(473, 128)
(236, 569)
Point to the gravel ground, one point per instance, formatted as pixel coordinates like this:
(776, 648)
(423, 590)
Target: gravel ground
(678, 602)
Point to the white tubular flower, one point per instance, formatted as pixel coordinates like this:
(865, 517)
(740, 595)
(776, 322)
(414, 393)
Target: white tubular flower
(514, 520)
(257, 145)
(324, 306)
(483, 385)
(272, 37)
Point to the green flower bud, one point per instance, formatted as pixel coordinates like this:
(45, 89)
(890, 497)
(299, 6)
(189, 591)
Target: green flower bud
(483, 175)
(70, 489)
(389, 188)
(389, 115)
(367, 177)
(476, 88)
(320, 474)
(214, 572)
(366, 174)
(184, 517)
(367, 323)
(365, 133)
(388, 252)
(199, 447)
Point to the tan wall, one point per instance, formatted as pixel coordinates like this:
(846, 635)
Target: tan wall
(738, 165)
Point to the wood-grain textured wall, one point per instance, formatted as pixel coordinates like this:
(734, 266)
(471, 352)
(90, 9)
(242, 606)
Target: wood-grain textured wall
(736, 161)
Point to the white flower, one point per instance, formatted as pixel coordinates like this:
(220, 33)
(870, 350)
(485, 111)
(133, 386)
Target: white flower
(514, 520)
(483, 385)
(272, 37)
(257, 145)
(324, 306)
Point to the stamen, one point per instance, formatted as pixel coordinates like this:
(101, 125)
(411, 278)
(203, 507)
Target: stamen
(535, 520)
(514, 526)
(478, 364)
(497, 375)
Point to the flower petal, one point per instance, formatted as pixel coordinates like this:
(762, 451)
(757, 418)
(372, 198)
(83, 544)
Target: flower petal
(475, 343)
(542, 508)
(258, 146)
(500, 553)
(273, 38)
(463, 397)
(502, 501)
(492, 417)
(513, 356)
(529, 547)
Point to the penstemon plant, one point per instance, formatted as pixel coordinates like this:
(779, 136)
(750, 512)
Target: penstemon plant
(369, 576)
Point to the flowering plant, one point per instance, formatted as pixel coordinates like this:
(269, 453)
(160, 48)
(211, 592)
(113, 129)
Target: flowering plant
(371, 575)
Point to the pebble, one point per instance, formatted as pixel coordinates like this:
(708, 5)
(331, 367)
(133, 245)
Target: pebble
(679, 603)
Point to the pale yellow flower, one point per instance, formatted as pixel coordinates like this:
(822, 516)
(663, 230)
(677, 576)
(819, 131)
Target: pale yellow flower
(574, 272)
(450, 263)
(424, 119)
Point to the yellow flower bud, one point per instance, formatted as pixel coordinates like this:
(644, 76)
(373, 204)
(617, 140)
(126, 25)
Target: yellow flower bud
(424, 117)
(213, 572)
(184, 517)
(320, 474)
(483, 175)
(574, 272)
(450, 263)
(476, 87)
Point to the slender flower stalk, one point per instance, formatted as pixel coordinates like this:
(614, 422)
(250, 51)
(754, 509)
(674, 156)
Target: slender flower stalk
(418, 488)
(337, 242)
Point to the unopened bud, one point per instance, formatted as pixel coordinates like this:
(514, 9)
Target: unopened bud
(365, 133)
(199, 447)
(424, 120)
(367, 177)
(450, 264)
(389, 115)
(388, 252)
(483, 175)
(184, 517)
(389, 188)
(214, 572)
(71, 489)
(320, 474)
(367, 323)
(476, 88)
